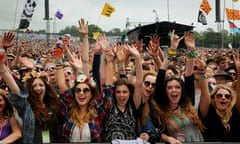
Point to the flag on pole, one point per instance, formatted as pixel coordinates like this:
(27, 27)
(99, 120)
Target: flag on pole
(59, 14)
(233, 27)
(96, 35)
(202, 18)
(27, 14)
(205, 8)
(232, 14)
(107, 10)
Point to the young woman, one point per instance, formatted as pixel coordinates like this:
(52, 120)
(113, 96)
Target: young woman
(37, 104)
(9, 129)
(220, 110)
(120, 122)
(86, 112)
(87, 107)
(181, 120)
(150, 114)
(123, 119)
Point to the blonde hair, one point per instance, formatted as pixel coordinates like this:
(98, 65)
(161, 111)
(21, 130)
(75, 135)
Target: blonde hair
(91, 109)
(225, 117)
(75, 116)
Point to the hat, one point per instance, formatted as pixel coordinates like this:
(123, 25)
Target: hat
(223, 74)
(23, 68)
(230, 68)
(10, 55)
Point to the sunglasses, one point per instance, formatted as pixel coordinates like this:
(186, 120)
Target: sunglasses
(232, 74)
(39, 69)
(227, 96)
(84, 90)
(50, 68)
(148, 83)
(68, 72)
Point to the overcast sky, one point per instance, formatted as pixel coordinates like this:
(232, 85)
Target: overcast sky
(181, 11)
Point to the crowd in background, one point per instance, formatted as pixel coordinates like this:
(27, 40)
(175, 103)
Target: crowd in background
(117, 93)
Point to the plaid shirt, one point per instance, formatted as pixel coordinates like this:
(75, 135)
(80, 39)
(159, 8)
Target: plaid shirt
(95, 124)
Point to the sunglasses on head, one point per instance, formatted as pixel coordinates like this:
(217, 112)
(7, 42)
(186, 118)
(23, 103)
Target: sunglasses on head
(84, 90)
(148, 83)
(50, 68)
(227, 96)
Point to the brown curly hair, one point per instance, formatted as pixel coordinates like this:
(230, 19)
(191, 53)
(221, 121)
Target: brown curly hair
(184, 103)
(50, 99)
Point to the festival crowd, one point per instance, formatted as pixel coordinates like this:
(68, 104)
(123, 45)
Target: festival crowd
(108, 92)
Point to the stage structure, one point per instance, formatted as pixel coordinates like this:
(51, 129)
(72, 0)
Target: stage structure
(162, 29)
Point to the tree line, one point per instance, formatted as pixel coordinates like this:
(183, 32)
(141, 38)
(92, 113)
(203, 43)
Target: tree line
(208, 38)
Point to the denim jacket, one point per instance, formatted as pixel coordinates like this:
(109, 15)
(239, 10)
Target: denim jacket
(24, 110)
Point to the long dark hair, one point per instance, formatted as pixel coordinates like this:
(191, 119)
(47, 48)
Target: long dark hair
(8, 108)
(165, 103)
(123, 81)
(184, 103)
(50, 99)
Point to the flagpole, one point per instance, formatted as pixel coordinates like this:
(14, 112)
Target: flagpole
(15, 16)
(233, 37)
(223, 21)
(168, 9)
(99, 19)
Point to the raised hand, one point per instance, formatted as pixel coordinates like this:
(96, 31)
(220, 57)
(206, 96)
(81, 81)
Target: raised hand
(133, 50)
(7, 40)
(120, 53)
(236, 59)
(139, 45)
(83, 26)
(76, 62)
(154, 41)
(189, 41)
(97, 48)
(26, 62)
(175, 39)
(109, 55)
(103, 41)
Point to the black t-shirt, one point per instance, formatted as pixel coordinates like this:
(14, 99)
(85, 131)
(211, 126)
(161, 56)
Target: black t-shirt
(215, 130)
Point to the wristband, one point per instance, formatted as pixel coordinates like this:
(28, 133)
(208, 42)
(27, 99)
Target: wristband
(191, 54)
(172, 52)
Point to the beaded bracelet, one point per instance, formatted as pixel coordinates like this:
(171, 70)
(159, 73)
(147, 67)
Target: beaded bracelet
(191, 54)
